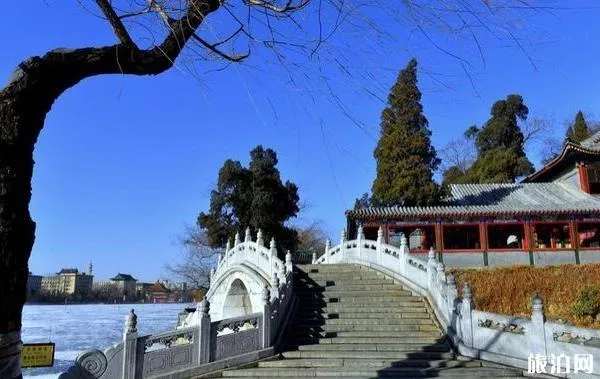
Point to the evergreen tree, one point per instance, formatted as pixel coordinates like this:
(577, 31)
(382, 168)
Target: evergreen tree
(579, 130)
(363, 202)
(252, 197)
(501, 155)
(405, 157)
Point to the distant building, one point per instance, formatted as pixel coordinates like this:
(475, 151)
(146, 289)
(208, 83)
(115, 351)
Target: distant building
(143, 290)
(34, 284)
(159, 293)
(68, 281)
(121, 286)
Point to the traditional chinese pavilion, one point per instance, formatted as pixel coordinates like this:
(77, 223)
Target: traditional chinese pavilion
(552, 216)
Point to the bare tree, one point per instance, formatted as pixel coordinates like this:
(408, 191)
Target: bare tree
(171, 26)
(197, 260)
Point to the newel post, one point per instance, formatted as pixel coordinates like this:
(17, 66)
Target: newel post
(379, 245)
(452, 294)
(289, 267)
(130, 338)
(536, 336)
(259, 238)
(327, 248)
(431, 269)
(360, 236)
(274, 286)
(204, 332)
(248, 237)
(466, 316)
(403, 255)
(314, 257)
(266, 319)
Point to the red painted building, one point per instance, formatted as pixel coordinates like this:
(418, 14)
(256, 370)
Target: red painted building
(552, 216)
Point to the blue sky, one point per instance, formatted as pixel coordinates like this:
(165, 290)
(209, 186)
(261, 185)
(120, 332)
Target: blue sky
(123, 163)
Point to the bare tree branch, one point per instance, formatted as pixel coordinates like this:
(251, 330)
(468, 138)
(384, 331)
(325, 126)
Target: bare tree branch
(114, 20)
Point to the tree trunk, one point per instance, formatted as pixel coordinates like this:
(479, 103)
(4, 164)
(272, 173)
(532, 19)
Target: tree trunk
(21, 119)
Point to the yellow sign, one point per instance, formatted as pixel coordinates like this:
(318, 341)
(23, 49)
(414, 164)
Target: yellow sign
(37, 355)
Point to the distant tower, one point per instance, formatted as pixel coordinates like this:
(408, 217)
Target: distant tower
(91, 269)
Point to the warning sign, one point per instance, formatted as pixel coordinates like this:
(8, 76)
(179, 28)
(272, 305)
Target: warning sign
(37, 355)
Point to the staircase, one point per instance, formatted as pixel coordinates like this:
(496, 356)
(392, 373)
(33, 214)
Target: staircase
(355, 323)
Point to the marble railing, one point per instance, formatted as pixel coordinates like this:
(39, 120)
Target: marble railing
(474, 333)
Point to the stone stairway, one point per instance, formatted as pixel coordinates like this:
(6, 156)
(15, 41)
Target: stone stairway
(355, 323)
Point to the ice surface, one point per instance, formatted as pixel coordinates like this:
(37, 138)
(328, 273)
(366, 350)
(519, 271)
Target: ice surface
(74, 328)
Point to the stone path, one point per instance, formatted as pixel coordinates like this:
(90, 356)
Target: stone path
(355, 323)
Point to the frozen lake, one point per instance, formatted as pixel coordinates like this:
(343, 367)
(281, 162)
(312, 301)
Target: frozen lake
(74, 328)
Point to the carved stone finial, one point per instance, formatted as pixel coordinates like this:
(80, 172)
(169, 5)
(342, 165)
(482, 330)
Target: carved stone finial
(248, 237)
(288, 257)
(204, 306)
(327, 245)
(380, 234)
(237, 240)
(228, 245)
(343, 236)
(451, 281)
(259, 238)
(275, 280)
(403, 241)
(431, 254)
(266, 295)
(537, 304)
(272, 244)
(131, 322)
(360, 234)
(466, 292)
(314, 257)
(440, 267)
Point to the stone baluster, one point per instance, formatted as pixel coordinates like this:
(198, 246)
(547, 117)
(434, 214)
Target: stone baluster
(380, 242)
(452, 294)
(289, 267)
(130, 338)
(274, 286)
(441, 279)
(259, 238)
(403, 254)
(359, 240)
(273, 248)
(247, 237)
(237, 240)
(431, 269)
(314, 257)
(466, 316)
(327, 248)
(266, 319)
(204, 332)
(536, 335)
(282, 278)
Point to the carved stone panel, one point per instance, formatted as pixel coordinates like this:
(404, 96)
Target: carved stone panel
(232, 344)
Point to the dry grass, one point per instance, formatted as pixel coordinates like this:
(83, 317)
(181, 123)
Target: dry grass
(509, 290)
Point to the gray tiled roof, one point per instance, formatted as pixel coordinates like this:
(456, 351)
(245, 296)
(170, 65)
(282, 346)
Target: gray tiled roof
(592, 143)
(497, 199)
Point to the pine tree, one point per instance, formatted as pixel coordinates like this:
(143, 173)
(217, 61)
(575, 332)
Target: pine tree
(405, 157)
(579, 130)
(501, 155)
(252, 197)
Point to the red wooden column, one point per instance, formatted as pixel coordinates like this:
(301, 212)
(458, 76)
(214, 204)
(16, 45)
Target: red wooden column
(439, 241)
(483, 241)
(584, 182)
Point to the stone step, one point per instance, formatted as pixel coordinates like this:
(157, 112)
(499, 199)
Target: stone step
(367, 363)
(352, 315)
(396, 347)
(480, 372)
(363, 300)
(368, 333)
(361, 354)
(309, 282)
(395, 292)
(363, 321)
(342, 267)
(350, 288)
(366, 327)
(379, 340)
(362, 310)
